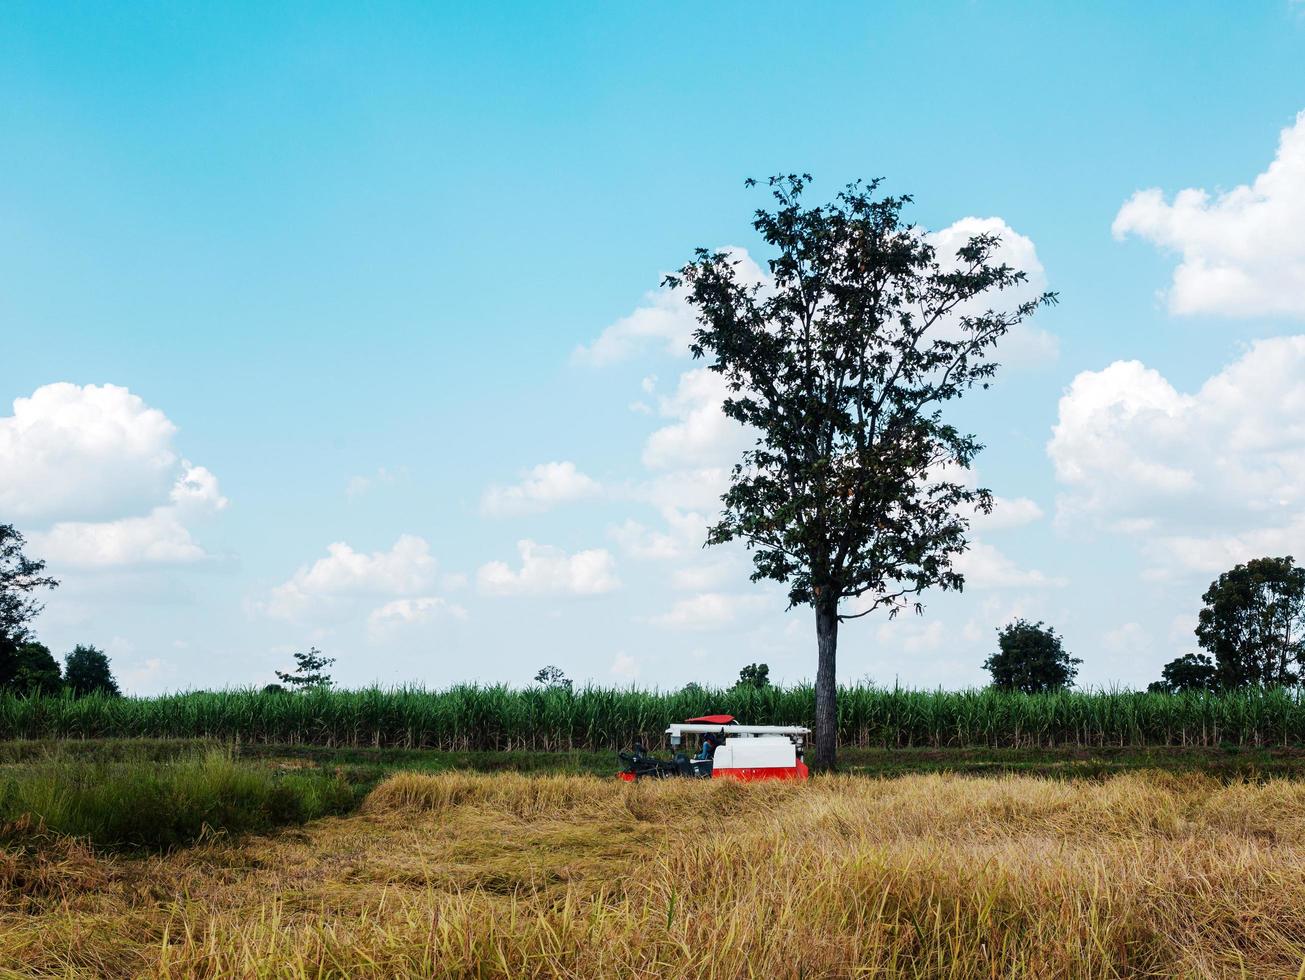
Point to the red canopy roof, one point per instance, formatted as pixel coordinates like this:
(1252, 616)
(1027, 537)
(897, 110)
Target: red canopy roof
(711, 720)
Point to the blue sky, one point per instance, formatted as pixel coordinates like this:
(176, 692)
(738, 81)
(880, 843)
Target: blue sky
(345, 269)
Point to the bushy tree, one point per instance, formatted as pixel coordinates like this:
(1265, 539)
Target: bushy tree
(86, 671)
(310, 671)
(754, 675)
(37, 670)
(1030, 658)
(840, 365)
(1190, 672)
(20, 578)
(1253, 623)
(551, 676)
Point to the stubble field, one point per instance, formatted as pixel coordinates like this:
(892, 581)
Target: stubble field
(1147, 873)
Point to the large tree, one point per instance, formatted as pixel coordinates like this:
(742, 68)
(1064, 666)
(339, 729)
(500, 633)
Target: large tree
(86, 671)
(1190, 672)
(37, 672)
(1031, 658)
(841, 364)
(20, 577)
(1254, 623)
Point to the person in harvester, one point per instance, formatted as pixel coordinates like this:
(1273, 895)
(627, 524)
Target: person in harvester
(708, 747)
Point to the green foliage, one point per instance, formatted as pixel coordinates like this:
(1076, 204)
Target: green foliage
(1031, 659)
(551, 676)
(36, 670)
(1254, 623)
(86, 671)
(498, 718)
(1190, 672)
(755, 675)
(309, 672)
(133, 805)
(20, 577)
(841, 366)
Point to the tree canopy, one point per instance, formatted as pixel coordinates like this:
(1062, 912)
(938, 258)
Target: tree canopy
(1031, 658)
(1253, 623)
(37, 672)
(1190, 672)
(86, 671)
(20, 578)
(755, 675)
(551, 676)
(309, 672)
(840, 363)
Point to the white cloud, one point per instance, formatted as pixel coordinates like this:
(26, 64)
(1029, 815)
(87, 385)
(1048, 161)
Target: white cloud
(698, 489)
(160, 537)
(92, 473)
(1128, 443)
(359, 485)
(997, 611)
(702, 434)
(546, 485)
(707, 574)
(665, 320)
(1121, 431)
(1025, 345)
(985, 567)
(1128, 638)
(710, 610)
(1202, 479)
(399, 613)
(911, 634)
(407, 569)
(84, 453)
(1242, 251)
(547, 570)
(684, 535)
(642, 542)
(1212, 554)
(1008, 513)
(625, 667)
(148, 676)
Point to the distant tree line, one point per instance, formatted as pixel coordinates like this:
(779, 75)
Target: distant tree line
(1251, 629)
(26, 665)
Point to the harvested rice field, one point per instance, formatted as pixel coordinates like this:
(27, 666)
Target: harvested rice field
(509, 875)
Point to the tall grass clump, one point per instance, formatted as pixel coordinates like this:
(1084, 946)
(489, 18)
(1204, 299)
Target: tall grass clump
(136, 805)
(471, 717)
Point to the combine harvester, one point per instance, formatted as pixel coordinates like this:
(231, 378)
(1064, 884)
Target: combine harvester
(733, 751)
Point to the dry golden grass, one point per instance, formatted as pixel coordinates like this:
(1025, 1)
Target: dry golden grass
(511, 876)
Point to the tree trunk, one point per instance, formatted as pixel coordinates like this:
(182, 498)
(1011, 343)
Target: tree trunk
(826, 689)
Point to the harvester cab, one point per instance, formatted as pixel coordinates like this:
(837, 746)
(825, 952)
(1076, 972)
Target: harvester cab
(727, 750)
